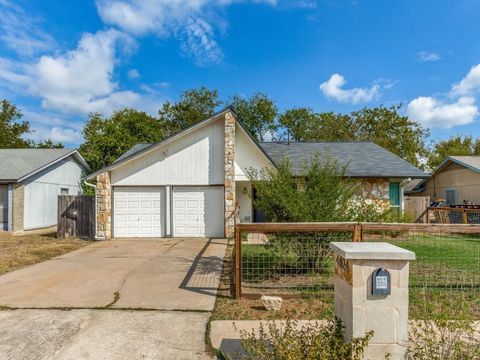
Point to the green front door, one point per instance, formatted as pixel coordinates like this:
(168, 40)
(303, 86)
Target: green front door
(394, 194)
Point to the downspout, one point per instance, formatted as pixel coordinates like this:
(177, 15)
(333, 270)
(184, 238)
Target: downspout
(94, 187)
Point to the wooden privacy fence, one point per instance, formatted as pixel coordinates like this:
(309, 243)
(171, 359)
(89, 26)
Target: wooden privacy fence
(415, 206)
(76, 216)
(294, 258)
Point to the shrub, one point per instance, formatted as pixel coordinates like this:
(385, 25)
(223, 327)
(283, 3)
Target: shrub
(306, 342)
(303, 252)
(442, 339)
(321, 194)
(446, 331)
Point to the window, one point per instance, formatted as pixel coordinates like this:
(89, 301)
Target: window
(64, 191)
(450, 197)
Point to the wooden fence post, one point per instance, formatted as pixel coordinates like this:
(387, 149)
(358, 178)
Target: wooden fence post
(357, 233)
(238, 263)
(465, 217)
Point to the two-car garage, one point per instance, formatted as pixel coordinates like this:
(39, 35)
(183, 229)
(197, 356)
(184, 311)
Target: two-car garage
(168, 211)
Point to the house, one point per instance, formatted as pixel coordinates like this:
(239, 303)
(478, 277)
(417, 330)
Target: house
(455, 181)
(30, 182)
(191, 183)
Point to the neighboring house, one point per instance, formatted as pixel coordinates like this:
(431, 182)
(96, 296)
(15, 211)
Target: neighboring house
(30, 182)
(455, 180)
(190, 184)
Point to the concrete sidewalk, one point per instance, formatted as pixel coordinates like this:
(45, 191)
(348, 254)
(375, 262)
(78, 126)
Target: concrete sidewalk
(166, 274)
(102, 334)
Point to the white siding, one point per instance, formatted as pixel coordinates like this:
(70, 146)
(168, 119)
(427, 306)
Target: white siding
(3, 207)
(247, 155)
(42, 190)
(194, 159)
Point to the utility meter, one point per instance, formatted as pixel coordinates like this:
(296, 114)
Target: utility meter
(381, 282)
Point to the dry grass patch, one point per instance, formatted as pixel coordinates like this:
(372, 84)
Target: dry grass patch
(22, 250)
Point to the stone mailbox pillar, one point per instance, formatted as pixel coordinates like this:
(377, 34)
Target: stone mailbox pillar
(371, 293)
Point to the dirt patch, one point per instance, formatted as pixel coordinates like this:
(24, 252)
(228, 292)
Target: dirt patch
(309, 306)
(22, 250)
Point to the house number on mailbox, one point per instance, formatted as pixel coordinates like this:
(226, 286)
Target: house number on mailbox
(381, 282)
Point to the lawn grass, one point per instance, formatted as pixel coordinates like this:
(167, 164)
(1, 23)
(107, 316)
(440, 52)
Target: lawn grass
(445, 275)
(18, 251)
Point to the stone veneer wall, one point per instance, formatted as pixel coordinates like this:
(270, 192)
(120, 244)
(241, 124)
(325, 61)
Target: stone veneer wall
(18, 204)
(104, 206)
(229, 174)
(376, 190)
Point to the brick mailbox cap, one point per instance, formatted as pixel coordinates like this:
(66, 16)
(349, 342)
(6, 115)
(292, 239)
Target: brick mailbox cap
(371, 251)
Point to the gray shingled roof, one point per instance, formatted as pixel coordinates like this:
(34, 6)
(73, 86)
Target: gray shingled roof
(17, 163)
(364, 159)
(134, 149)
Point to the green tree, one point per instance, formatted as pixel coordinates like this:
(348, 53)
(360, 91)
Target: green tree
(257, 113)
(381, 125)
(454, 146)
(49, 144)
(12, 128)
(106, 139)
(194, 106)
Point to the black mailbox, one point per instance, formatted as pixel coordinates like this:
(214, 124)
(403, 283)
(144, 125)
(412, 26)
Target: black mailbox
(381, 282)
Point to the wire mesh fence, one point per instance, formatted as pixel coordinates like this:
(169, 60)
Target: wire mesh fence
(294, 261)
(446, 272)
(451, 215)
(288, 263)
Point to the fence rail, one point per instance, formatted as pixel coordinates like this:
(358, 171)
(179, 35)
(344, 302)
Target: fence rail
(294, 259)
(452, 215)
(76, 216)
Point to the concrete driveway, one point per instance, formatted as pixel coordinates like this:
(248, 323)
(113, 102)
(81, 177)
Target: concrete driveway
(173, 274)
(120, 299)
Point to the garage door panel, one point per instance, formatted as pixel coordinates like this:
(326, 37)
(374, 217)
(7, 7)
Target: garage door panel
(138, 211)
(198, 211)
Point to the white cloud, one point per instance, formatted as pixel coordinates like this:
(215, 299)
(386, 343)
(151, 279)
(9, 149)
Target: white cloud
(200, 43)
(57, 134)
(432, 112)
(187, 20)
(133, 74)
(79, 81)
(333, 88)
(20, 32)
(426, 56)
(458, 108)
(469, 84)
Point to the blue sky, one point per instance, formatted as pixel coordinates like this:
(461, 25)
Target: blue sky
(61, 60)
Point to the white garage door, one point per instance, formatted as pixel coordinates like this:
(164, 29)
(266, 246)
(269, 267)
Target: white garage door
(198, 211)
(138, 211)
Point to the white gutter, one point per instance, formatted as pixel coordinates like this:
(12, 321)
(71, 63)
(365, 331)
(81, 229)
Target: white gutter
(95, 188)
